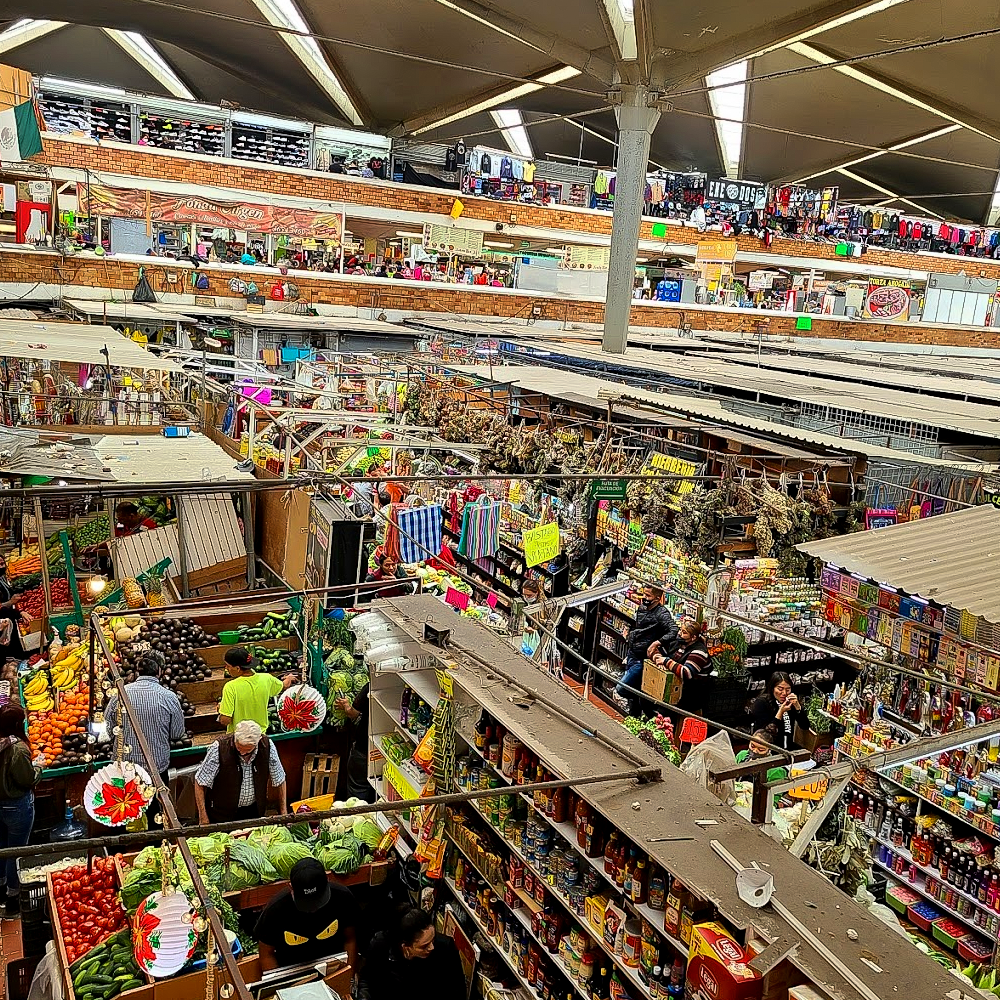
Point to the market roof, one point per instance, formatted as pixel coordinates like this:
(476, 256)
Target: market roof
(347, 324)
(541, 379)
(950, 559)
(137, 311)
(81, 343)
(152, 458)
(909, 122)
(663, 816)
(25, 451)
(893, 404)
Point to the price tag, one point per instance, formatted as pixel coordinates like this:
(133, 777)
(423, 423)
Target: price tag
(456, 598)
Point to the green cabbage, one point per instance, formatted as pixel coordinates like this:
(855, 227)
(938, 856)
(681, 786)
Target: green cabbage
(265, 837)
(366, 830)
(340, 860)
(149, 857)
(284, 856)
(205, 850)
(340, 684)
(360, 680)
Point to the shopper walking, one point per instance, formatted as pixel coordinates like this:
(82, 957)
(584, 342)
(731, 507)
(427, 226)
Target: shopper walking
(654, 630)
(18, 776)
(779, 707)
(160, 717)
(233, 780)
(248, 694)
(410, 959)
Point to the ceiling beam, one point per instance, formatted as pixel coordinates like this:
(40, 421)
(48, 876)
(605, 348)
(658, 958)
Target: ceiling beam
(890, 194)
(918, 99)
(560, 49)
(685, 67)
(26, 30)
(485, 100)
(142, 51)
(642, 24)
(797, 176)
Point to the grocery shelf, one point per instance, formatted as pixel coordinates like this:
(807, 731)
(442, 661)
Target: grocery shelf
(918, 888)
(962, 815)
(422, 682)
(507, 960)
(393, 714)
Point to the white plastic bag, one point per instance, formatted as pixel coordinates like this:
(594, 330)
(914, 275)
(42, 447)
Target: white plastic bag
(47, 983)
(713, 754)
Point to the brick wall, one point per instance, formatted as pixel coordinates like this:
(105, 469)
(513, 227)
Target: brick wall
(116, 275)
(135, 162)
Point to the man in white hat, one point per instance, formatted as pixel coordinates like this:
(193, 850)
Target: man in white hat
(232, 782)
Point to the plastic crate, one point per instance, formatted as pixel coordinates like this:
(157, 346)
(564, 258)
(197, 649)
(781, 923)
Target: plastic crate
(974, 949)
(20, 972)
(726, 698)
(923, 915)
(899, 897)
(34, 898)
(35, 935)
(949, 932)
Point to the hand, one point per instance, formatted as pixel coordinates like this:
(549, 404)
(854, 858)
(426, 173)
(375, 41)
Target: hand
(343, 704)
(26, 618)
(653, 647)
(792, 701)
(39, 760)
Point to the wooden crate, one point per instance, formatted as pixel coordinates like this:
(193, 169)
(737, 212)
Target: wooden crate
(223, 578)
(215, 656)
(319, 774)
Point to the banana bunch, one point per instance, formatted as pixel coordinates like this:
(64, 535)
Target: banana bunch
(37, 695)
(66, 673)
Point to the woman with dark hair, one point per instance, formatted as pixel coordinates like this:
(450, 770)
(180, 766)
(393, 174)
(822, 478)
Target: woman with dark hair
(18, 776)
(388, 568)
(411, 959)
(10, 646)
(779, 707)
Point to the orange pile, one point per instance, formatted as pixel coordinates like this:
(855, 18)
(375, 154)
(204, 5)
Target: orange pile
(47, 729)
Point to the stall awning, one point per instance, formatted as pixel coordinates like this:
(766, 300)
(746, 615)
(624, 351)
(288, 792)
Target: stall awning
(150, 459)
(79, 343)
(950, 559)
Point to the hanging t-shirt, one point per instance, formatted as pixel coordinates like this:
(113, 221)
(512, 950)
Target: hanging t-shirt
(506, 169)
(486, 165)
(450, 159)
(529, 172)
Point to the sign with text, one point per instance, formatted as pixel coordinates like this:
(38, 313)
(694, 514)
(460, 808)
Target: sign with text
(588, 258)
(541, 544)
(260, 218)
(454, 240)
(608, 489)
(814, 790)
(716, 250)
(456, 598)
(888, 299)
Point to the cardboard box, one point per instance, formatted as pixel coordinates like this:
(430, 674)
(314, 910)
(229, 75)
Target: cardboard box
(811, 741)
(594, 909)
(718, 967)
(614, 917)
(659, 684)
(804, 993)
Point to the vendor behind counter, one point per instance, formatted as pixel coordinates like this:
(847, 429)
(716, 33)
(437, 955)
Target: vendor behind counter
(312, 920)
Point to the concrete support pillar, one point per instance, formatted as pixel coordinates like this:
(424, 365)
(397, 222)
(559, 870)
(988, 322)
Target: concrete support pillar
(637, 117)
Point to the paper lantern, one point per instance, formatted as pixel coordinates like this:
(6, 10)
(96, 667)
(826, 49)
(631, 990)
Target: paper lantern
(118, 794)
(163, 934)
(301, 709)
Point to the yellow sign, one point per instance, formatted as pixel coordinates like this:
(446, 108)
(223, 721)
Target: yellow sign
(717, 250)
(541, 544)
(457, 209)
(813, 790)
(514, 493)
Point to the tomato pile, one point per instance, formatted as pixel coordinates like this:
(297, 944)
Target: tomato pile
(87, 906)
(33, 601)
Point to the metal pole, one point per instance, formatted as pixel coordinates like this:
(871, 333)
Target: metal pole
(171, 822)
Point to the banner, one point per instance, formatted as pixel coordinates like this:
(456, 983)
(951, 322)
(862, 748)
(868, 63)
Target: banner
(97, 199)
(541, 544)
(888, 299)
(716, 250)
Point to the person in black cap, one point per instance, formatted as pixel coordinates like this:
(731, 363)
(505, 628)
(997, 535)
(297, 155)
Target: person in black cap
(312, 920)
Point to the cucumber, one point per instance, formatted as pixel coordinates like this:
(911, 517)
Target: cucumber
(131, 984)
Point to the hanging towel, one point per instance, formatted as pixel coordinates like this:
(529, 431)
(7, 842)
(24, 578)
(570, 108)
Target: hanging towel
(419, 532)
(480, 530)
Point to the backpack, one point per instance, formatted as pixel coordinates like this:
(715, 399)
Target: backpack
(251, 288)
(238, 285)
(199, 280)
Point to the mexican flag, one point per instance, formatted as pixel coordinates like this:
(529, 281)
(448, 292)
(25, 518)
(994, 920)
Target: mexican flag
(19, 135)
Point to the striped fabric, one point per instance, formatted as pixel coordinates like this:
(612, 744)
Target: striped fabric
(480, 530)
(419, 532)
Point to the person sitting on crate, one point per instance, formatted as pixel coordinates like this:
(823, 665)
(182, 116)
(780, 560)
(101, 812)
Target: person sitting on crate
(233, 779)
(654, 629)
(690, 660)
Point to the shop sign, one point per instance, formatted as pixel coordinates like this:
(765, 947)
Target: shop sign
(759, 281)
(738, 196)
(541, 544)
(880, 518)
(588, 258)
(608, 489)
(888, 299)
(716, 250)
(259, 218)
(454, 240)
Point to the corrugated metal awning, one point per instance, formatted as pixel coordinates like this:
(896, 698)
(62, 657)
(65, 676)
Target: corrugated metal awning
(950, 559)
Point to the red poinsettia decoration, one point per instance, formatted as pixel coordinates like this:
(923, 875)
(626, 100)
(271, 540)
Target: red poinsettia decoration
(146, 938)
(119, 801)
(298, 713)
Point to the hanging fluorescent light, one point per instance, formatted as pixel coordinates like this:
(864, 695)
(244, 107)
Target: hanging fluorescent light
(512, 128)
(413, 236)
(285, 14)
(502, 246)
(146, 55)
(521, 90)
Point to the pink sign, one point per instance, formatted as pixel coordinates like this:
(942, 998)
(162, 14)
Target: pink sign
(491, 600)
(456, 598)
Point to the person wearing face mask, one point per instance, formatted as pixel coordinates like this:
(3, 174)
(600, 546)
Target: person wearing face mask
(233, 779)
(409, 959)
(779, 707)
(654, 629)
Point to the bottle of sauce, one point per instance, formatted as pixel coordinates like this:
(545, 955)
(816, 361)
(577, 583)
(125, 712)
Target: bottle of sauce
(580, 816)
(657, 889)
(611, 854)
(639, 876)
(672, 912)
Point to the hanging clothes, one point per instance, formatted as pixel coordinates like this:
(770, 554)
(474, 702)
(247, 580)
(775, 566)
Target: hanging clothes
(419, 533)
(480, 530)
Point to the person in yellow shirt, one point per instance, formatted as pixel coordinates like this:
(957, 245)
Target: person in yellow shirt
(248, 694)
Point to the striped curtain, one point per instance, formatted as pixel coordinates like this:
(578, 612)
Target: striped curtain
(480, 530)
